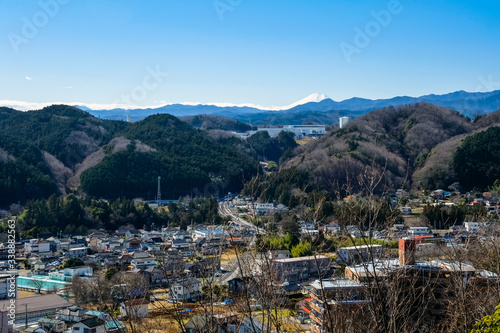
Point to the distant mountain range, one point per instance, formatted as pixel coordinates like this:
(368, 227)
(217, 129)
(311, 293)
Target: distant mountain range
(315, 108)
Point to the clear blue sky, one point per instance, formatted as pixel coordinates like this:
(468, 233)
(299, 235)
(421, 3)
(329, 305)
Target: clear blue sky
(263, 52)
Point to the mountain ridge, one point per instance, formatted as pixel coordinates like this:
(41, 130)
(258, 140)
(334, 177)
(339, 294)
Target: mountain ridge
(470, 104)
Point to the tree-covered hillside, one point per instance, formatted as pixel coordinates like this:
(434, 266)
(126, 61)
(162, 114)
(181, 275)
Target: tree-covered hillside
(26, 138)
(50, 150)
(186, 159)
(214, 122)
(388, 143)
(477, 160)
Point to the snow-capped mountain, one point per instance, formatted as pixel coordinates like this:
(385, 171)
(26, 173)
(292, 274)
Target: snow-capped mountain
(316, 108)
(313, 98)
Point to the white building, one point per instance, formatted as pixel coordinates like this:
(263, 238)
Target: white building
(352, 254)
(77, 252)
(143, 263)
(134, 308)
(472, 226)
(37, 247)
(343, 121)
(262, 207)
(418, 231)
(300, 131)
(68, 274)
(185, 289)
(209, 233)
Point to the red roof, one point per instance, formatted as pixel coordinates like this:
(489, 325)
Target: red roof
(308, 299)
(306, 310)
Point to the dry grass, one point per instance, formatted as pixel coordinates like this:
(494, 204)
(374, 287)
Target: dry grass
(228, 255)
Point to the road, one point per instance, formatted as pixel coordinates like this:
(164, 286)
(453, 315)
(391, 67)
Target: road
(224, 210)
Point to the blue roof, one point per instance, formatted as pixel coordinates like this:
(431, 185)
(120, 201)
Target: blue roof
(114, 324)
(95, 313)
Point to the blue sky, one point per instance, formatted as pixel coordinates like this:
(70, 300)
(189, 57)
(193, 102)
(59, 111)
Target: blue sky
(244, 51)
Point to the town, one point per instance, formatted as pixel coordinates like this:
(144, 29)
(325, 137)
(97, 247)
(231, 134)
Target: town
(241, 276)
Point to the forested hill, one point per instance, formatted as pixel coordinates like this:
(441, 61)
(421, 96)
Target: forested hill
(39, 149)
(188, 161)
(396, 142)
(60, 149)
(214, 122)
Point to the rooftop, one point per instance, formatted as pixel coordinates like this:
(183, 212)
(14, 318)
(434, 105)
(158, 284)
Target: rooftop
(337, 283)
(37, 303)
(302, 258)
(357, 247)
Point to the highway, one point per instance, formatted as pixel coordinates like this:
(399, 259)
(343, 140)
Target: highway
(224, 210)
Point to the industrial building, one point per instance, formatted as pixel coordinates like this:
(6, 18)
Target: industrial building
(300, 131)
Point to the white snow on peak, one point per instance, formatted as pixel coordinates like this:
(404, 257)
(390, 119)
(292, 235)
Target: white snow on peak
(316, 97)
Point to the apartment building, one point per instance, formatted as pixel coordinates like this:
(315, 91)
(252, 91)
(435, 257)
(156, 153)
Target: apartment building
(338, 306)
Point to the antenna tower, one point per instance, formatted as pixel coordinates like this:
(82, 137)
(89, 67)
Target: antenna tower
(158, 195)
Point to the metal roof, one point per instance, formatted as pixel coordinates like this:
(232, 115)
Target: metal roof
(37, 303)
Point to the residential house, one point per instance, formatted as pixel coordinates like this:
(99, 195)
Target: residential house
(38, 268)
(169, 232)
(52, 325)
(143, 263)
(183, 290)
(134, 308)
(173, 264)
(37, 247)
(141, 260)
(301, 268)
(360, 253)
(76, 252)
(153, 274)
(72, 314)
(90, 325)
(205, 266)
(183, 242)
(110, 244)
(132, 243)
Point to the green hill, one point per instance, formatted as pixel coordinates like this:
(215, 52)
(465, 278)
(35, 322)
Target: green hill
(188, 161)
(61, 149)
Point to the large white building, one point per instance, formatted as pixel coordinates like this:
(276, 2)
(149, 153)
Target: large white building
(300, 131)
